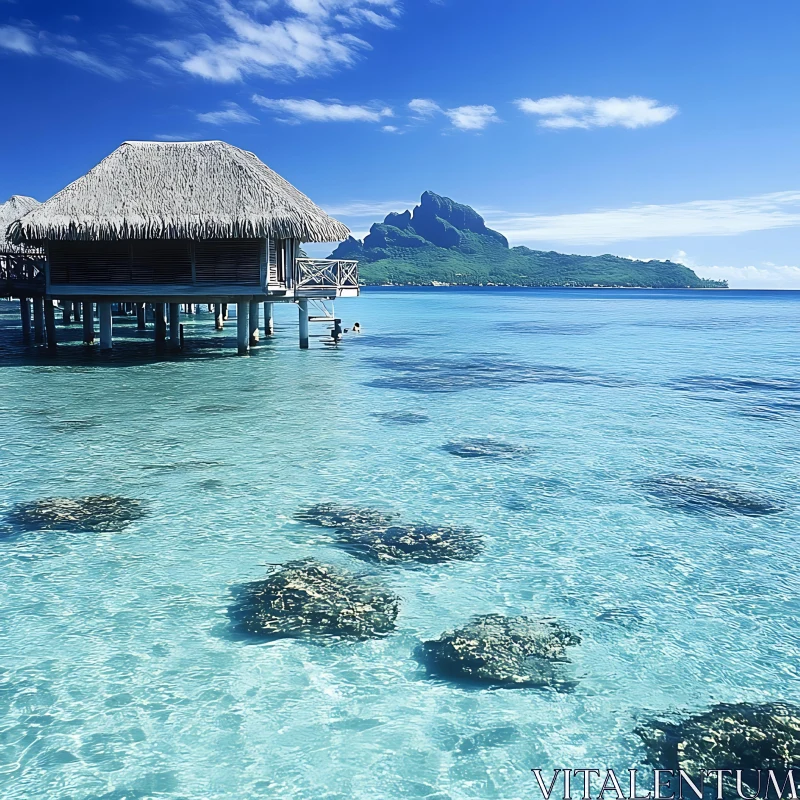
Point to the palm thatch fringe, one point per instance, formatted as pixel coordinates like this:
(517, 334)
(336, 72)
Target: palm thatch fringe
(178, 190)
(11, 211)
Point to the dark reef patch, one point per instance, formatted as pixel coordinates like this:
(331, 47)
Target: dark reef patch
(97, 513)
(729, 736)
(737, 385)
(552, 328)
(435, 375)
(72, 425)
(625, 617)
(494, 449)
(384, 340)
(216, 408)
(431, 544)
(401, 417)
(183, 466)
(374, 535)
(706, 324)
(331, 515)
(212, 485)
(309, 599)
(772, 411)
(502, 651)
(688, 493)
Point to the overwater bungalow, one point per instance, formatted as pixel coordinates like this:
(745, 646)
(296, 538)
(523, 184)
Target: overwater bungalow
(22, 271)
(171, 223)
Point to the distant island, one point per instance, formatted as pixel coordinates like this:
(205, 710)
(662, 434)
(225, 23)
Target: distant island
(447, 243)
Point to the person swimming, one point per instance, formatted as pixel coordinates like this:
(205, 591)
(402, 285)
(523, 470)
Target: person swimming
(356, 327)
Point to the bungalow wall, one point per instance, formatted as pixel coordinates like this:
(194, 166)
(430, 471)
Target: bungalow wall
(202, 266)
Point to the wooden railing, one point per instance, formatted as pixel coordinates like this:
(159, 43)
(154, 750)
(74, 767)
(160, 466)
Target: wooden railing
(324, 274)
(22, 274)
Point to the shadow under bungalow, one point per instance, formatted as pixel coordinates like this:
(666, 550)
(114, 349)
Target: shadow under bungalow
(161, 224)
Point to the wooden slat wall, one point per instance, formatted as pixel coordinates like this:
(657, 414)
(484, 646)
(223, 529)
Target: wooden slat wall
(156, 262)
(90, 262)
(228, 261)
(161, 261)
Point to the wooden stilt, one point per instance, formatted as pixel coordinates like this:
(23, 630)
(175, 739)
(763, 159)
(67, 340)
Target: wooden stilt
(88, 322)
(38, 320)
(209, 308)
(104, 309)
(242, 326)
(225, 311)
(25, 316)
(140, 323)
(269, 325)
(175, 326)
(50, 322)
(160, 324)
(302, 306)
(218, 324)
(76, 311)
(255, 307)
(66, 312)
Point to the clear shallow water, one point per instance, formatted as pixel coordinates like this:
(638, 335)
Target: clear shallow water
(120, 676)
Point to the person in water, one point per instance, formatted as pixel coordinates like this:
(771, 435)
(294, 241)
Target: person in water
(356, 327)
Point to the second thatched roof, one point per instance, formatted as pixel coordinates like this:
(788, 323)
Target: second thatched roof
(178, 190)
(11, 211)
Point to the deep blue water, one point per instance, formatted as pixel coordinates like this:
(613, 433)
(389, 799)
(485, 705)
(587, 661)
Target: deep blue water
(120, 675)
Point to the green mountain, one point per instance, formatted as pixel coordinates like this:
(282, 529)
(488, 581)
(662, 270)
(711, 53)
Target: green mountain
(444, 242)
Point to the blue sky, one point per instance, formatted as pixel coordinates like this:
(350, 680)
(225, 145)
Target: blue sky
(645, 128)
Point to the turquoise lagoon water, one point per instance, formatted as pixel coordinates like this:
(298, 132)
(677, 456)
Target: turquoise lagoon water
(120, 676)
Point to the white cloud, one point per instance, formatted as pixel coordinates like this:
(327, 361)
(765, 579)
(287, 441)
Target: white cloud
(299, 38)
(348, 11)
(173, 137)
(465, 118)
(232, 113)
(472, 118)
(305, 110)
(16, 39)
(84, 60)
(696, 218)
(167, 6)
(765, 276)
(569, 111)
(390, 129)
(56, 46)
(424, 108)
(368, 210)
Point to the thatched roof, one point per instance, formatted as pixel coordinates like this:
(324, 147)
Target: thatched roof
(11, 211)
(179, 190)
